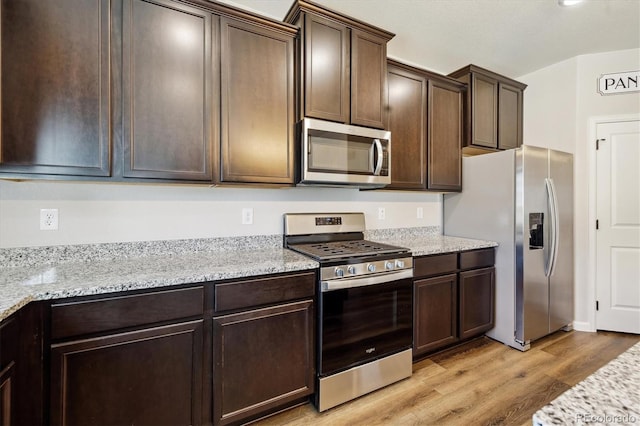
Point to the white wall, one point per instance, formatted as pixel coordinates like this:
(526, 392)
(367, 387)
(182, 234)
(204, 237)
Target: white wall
(97, 213)
(560, 106)
(550, 106)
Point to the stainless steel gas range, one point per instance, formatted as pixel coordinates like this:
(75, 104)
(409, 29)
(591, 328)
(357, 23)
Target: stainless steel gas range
(365, 305)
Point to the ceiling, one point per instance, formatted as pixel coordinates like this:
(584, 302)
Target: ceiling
(511, 37)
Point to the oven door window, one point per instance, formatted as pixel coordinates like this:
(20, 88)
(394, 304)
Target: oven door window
(338, 153)
(362, 324)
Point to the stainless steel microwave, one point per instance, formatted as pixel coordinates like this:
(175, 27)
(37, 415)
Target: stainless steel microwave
(339, 154)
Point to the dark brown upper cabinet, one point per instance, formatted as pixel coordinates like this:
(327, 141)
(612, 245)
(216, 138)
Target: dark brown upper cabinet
(408, 126)
(130, 90)
(425, 120)
(444, 170)
(168, 84)
(493, 110)
(343, 66)
(509, 116)
(258, 109)
(54, 88)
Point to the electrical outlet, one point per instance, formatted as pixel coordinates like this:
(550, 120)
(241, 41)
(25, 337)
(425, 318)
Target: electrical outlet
(381, 213)
(419, 213)
(247, 216)
(48, 219)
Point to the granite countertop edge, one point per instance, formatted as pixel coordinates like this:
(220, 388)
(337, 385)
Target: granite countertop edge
(47, 273)
(611, 395)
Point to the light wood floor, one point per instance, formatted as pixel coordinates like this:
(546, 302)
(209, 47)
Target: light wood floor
(482, 382)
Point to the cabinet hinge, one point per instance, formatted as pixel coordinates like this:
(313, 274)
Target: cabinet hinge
(597, 305)
(598, 143)
(597, 224)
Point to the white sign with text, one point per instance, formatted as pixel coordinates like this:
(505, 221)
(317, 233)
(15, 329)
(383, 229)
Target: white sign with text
(621, 82)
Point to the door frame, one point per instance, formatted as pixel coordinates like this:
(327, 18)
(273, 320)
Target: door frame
(590, 325)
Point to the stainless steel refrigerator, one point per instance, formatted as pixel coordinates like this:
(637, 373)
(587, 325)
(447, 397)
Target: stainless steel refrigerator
(523, 199)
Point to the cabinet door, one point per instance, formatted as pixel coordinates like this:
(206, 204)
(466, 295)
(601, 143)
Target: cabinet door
(368, 79)
(445, 137)
(167, 78)
(510, 116)
(407, 122)
(326, 69)
(7, 418)
(257, 104)
(55, 116)
(476, 301)
(435, 313)
(263, 359)
(484, 119)
(152, 376)
(9, 354)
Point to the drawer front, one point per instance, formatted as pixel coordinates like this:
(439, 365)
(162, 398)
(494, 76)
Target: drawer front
(248, 293)
(435, 265)
(477, 258)
(94, 316)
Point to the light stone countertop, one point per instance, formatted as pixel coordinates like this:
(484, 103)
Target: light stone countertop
(45, 273)
(427, 242)
(609, 396)
(20, 285)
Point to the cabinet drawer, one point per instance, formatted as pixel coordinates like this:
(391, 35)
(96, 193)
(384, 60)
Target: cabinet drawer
(477, 258)
(435, 265)
(264, 291)
(93, 316)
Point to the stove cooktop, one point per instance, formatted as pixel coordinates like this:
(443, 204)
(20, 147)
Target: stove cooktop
(345, 249)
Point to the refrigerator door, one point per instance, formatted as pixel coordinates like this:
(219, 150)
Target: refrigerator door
(532, 244)
(561, 277)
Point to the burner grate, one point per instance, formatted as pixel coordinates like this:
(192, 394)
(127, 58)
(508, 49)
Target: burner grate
(344, 249)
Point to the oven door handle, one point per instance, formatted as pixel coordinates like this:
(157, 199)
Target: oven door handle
(331, 285)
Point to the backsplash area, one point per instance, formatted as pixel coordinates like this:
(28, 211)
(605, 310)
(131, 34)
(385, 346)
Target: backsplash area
(91, 213)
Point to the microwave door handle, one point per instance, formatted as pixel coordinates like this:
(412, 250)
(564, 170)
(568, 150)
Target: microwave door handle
(378, 166)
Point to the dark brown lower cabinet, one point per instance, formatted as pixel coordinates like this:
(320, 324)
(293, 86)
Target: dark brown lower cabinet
(263, 359)
(453, 298)
(437, 303)
(8, 356)
(151, 376)
(476, 301)
(6, 395)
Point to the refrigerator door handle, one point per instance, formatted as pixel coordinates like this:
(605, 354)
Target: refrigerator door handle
(553, 212)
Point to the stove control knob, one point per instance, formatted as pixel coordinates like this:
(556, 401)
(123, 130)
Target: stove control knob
(388, 265)
(371, 267)
(351, 269)
(399, 263)
(339, 272)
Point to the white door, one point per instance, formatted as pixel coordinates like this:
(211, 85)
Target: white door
(618, 236)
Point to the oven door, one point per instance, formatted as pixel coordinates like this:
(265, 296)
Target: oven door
(364, 322)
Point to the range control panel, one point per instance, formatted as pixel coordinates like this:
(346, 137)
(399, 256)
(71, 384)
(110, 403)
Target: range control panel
(326, 221)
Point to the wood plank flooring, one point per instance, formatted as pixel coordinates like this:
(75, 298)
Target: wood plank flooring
(482, 382)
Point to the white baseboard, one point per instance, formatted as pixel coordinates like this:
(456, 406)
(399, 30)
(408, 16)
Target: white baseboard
(583, 326)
